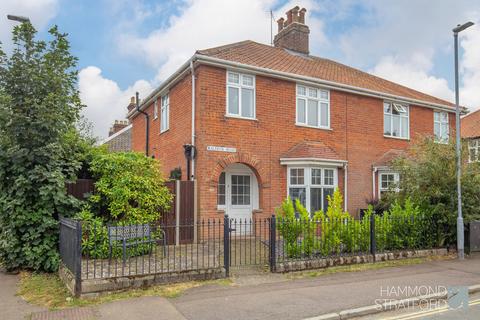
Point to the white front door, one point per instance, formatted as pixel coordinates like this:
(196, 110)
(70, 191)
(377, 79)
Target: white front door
(239, 195)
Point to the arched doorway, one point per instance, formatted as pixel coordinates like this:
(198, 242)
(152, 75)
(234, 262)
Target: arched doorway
(238, 192)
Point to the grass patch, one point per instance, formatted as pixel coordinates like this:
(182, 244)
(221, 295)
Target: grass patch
(48, 290)
(365, 267)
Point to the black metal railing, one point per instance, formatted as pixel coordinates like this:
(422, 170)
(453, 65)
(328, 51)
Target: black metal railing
(92, 250)
(70, 248)
(317, 239)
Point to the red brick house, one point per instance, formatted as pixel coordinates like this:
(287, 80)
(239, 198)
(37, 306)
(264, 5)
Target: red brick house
(271, 121)
(470, 131)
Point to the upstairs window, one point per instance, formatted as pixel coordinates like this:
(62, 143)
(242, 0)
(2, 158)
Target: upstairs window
(396, 120)
(155, 109)
(440, 126)
(164, 113)
(240, 95)
(474, 150)
(313, 107)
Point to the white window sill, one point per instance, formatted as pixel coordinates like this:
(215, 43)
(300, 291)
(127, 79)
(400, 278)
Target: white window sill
(240, 117)
(155, 118)
(166, 130)
(441, 141)
(313, 127)
(398, 138)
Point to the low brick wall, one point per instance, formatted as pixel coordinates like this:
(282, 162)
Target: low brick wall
(67, 277)
(349, 260)
(95, 287)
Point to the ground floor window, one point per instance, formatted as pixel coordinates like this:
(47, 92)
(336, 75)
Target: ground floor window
(312, 186)
(387, 182)
(474, 150)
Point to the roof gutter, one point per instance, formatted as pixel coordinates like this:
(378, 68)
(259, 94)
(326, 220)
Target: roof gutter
(328, 84)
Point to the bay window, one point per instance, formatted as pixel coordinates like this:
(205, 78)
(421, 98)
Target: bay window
(396, 120)
(313, 107)
(240, 95)
(311, 186)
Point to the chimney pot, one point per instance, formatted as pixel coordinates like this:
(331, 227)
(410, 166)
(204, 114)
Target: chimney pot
(295, 14)
(302, 16)
(280, 24)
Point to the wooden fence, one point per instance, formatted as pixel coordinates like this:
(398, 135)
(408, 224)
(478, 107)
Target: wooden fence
(179, 220)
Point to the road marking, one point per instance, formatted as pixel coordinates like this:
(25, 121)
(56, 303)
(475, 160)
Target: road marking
(427, 313)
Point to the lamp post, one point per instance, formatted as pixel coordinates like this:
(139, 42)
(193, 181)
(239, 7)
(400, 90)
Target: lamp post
(17, 18)
(460, 241)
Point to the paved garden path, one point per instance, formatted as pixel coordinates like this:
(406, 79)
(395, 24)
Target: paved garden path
(266, 296)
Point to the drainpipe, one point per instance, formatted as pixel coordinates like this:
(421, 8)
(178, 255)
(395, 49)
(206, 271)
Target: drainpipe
(373, 182)
(345, 181)
(192, 176)
(147, 126)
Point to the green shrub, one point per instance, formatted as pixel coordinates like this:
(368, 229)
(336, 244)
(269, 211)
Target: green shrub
(335, 231)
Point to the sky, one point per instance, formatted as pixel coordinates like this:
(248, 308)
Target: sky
(126, 46)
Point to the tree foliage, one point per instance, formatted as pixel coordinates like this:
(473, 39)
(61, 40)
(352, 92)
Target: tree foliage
(428, 177)
(39, 149)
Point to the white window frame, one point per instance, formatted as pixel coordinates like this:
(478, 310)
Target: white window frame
(165, 113)
(155, 109)
(396, 181)
(440, 122)
(306, 97)
(404, 111)
(241, 86)
(474, 147)
(307, 174)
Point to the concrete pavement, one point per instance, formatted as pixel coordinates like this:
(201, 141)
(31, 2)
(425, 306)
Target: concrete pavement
(13, 307)
(268, 296)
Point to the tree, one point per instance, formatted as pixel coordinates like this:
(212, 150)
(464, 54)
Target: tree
(39, 106)
(428, 176)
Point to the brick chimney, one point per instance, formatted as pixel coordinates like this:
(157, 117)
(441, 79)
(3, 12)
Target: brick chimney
(132, 104)
(117, 126)
(293, 33)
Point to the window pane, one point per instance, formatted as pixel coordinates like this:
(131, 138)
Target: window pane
(317, 176)
(298, 193)
(233, 77)
(324, 114)
(324, 94)
(436, 116)
(301, 90)
(387, 108)
(444, 117)
(436, 131)
(328, 177)
(312, 113)
(395, 126)
(315, 200)
(404, 133)
(221, 189)
(312, 92)
(444, 131)
(387, 125)
(232, 100)
(301, 111)
(326, 192)
(247, 81)
(297, 176)
(247, 103)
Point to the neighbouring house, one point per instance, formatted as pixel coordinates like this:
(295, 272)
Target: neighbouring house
(470, 131)
(271, 121)
(119, 137)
